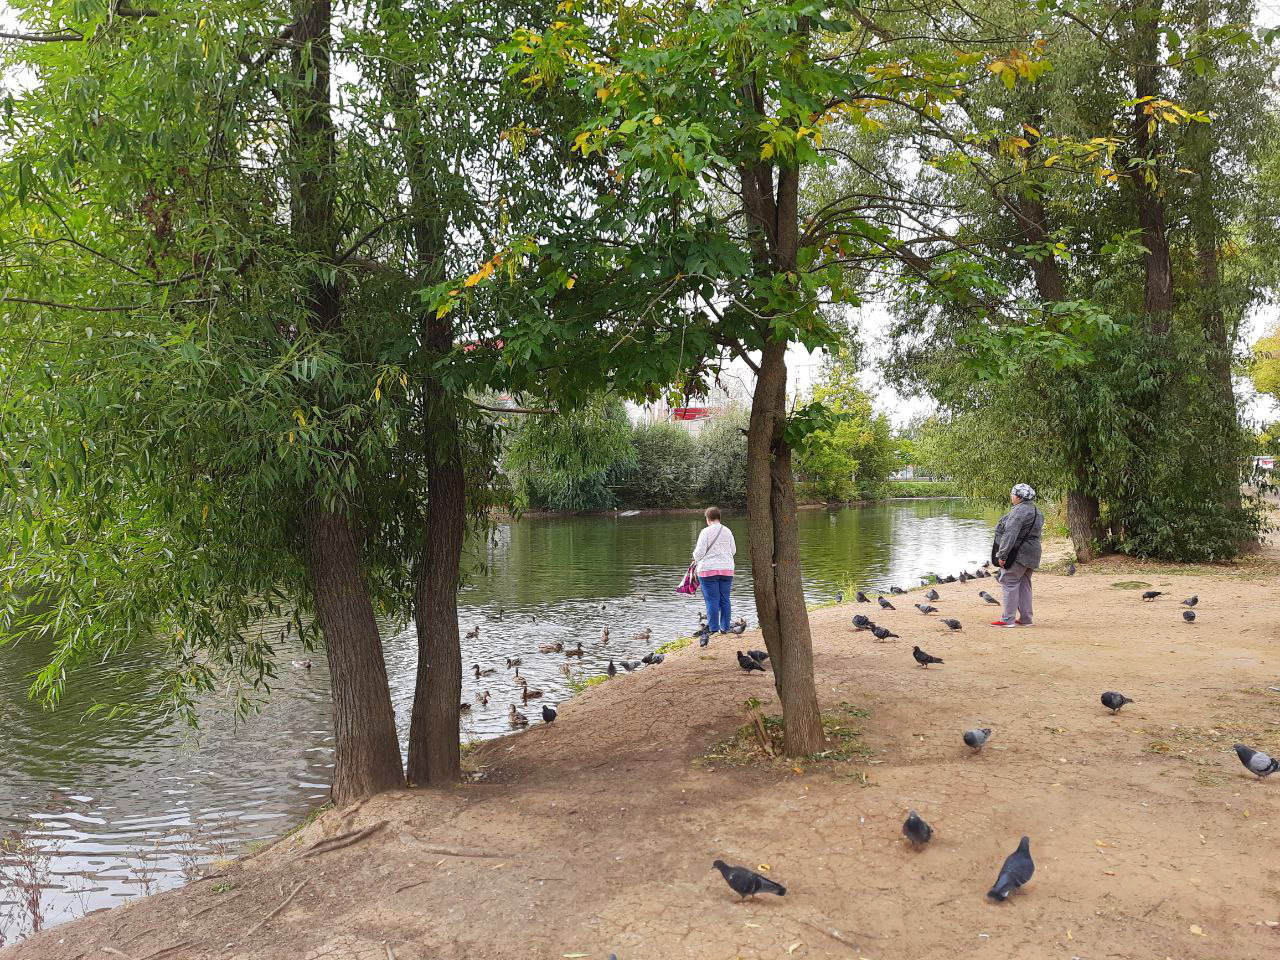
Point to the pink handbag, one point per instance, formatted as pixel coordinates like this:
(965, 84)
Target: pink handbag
(690, 582)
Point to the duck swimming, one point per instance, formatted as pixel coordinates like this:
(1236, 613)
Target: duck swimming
(490, 671)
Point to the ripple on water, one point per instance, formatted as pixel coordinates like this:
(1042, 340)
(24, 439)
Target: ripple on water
(135, 805)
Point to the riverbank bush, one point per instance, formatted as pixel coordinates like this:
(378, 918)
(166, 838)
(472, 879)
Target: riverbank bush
(921, 488)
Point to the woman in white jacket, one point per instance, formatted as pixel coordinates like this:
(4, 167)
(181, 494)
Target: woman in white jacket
(714, 555)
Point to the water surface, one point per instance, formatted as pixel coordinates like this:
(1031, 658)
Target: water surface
(112, 809)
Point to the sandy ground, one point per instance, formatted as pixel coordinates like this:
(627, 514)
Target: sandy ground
(596, 835)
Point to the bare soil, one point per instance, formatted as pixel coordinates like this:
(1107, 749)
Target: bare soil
(595, 835)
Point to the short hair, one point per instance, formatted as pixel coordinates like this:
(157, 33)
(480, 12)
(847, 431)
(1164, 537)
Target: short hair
(713, 513)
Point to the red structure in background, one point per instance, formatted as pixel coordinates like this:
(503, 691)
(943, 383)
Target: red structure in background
(693, 413)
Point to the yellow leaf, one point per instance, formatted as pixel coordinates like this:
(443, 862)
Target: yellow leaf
(995, 66)
(603, 93)
(657, 121)
(1196, 930)
(1151, 127)
(443, 309)
(1031, 130)
(794, 947)
(290, 436)
(479, 275)
(1050, 161)
(205, 515)
(766, 151)
(568, 284)
(377, 394)
(300, 417)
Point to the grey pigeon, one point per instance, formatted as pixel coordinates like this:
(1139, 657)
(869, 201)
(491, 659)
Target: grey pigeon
(964, 577)
(862, 597)
(949, 579)
(1256, 762)
(548, 713)
(1152, 594)
(748, 663)
(953, 624)
(1017, 870)
(932, 595)
(1189, 616)
(653, 658)
(839, 596)
(1191, 601)
(926, 608)
(896, 590)
(977, 739)
(1114, 701)
(862, 621)
(738, 628)
(916, 830)
(885, 604)
(884, 633)
(629, 665)
(1071, 569)
(747, 883)
(981, 573)
(988, 597)
(611, 670)
(923, 658)
(759, 656)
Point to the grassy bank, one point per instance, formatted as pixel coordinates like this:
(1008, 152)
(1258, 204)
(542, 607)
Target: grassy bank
(920, 488)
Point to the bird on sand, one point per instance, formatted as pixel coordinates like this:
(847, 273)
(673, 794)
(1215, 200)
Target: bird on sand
(926, 608)
(1189, 616)
(862, 597)
(748, 663)
(703, 635)
(884, 633)
(965, 577)
(885, 604)
(1017, 870)
(896, 590)
(629, 665)
(548, 713)
(1191, 601)
(916, 830)
(932, 595)
(1152, 594)
(653, 658)
(473, 633)
(839, 596)
(611, 670)
(747, 883)
(951, 622)
(923, 658)
(1114, 701)
(862, 622)
(738, 628)
(981, 573)
(988, 597)
(516, 718)
(759, 656)
(977, 739)
(948, 579)
(1256, 762)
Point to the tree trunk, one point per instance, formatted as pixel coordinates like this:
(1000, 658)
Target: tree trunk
(1085, 524)
(775, 557)
(367, 752)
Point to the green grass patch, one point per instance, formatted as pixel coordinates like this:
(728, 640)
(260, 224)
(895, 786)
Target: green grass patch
(306, 821)
(579, 682)
(841, 726)
(679, 643)
(920, 488)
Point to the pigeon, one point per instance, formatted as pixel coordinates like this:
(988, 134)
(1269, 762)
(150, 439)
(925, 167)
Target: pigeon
(1256, 761)
(916, 830)
(1017, 870)
(1114, 701)
(948, 579)
(884, 633)
(1152, 594)
(548, 713)
(926, 608)
(629, 665)
(977, 739)
(839, 596)
(703, 635)
(611, 670)
(896, 590)
(988, 597)
(981, 573)
(1071, 569)
(747, 883)
(923, 658)
(1189, 616)
(862, 597)
(759, 656)
(653, 658)
(1191, 601)
(748, 663)
(932, 595)
(885, 604)
(738, 628)
(964, 577)
(862, 621)
(950, 622)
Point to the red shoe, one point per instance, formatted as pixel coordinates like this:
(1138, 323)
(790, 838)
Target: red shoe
(1001, 623)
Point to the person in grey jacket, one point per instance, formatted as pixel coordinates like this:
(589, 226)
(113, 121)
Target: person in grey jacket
(1017, 550)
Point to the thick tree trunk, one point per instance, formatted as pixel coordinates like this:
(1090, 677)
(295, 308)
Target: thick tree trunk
(367, 752)
(1144, 169)
(775, 557)
(1084, 523)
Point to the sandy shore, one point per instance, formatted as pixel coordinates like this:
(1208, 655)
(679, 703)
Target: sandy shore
(595, 835)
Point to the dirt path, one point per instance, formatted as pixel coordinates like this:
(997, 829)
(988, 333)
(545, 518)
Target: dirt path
(596, 835)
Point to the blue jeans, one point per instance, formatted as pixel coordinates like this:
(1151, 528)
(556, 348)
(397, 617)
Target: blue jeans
(715, 592)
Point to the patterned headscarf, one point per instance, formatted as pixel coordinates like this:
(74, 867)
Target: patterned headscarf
(1024, 491)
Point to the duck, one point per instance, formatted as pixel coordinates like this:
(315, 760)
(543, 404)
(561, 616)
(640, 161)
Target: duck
(565, 670)
(464, 706)
(482, 698)
(513, 663)
(574, 653)
(487, 672)
(472, 634)
(531, 694)
(556, 647)
(643, 635)
(516, 718)
(301, 664)
(604, 635)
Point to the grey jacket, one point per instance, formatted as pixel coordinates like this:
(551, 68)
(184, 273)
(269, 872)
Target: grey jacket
(1022, 518)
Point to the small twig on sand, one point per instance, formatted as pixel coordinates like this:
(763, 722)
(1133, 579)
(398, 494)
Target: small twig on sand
(344, 840)
(1150, 910)
(410, 886)
(163, 950)
(833, 934)
(287, 900)
(477, 854)
(116, 953)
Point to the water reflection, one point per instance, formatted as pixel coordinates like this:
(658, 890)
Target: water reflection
(114, 809)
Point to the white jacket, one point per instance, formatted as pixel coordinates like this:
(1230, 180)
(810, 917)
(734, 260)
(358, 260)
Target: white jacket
(715, 551)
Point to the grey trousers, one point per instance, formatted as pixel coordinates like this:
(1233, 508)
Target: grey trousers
(1015, 581)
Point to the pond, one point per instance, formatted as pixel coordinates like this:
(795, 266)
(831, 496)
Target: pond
(98, 811)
